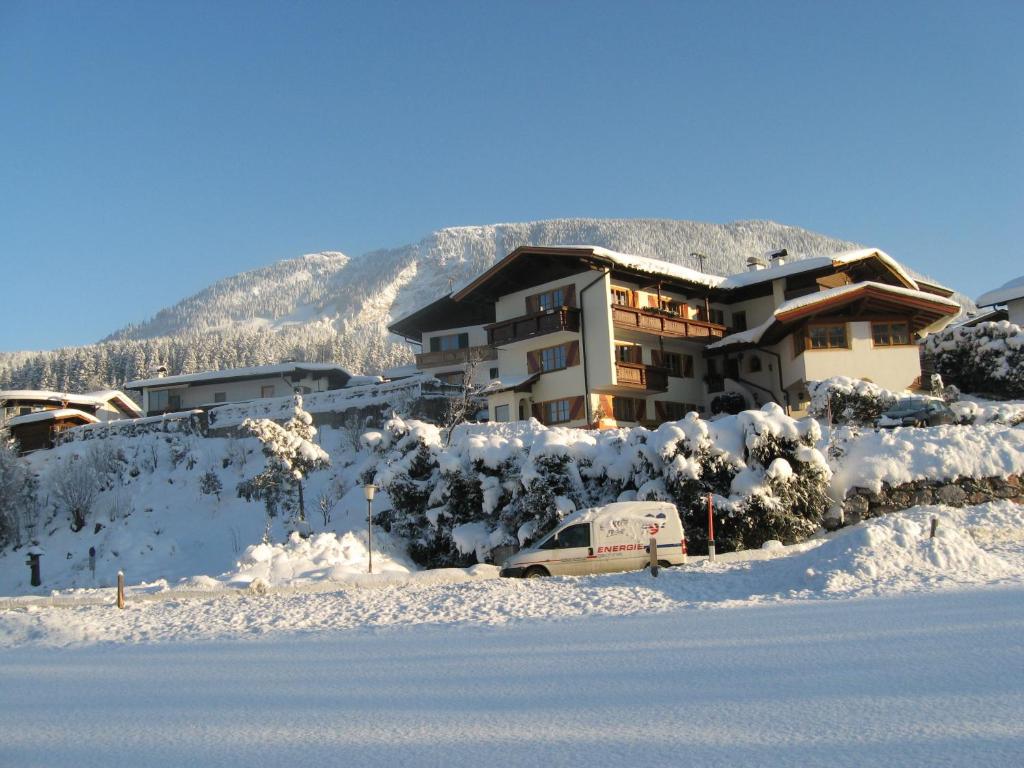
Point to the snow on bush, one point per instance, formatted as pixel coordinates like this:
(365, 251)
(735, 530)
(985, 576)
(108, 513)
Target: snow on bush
(898, 456)
(852, 401)
(507, 484)
(988, 357)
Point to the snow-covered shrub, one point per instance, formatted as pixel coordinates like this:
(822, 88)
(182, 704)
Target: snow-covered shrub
(988, 357)
(291, 455)
(17, 492)
(210, 484)
(852, 401)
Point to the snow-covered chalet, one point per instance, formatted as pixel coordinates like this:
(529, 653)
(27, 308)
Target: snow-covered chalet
(582, 335)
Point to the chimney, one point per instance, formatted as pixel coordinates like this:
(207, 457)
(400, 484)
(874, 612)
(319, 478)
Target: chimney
(778, 258)
(755, 263)
(161, 371)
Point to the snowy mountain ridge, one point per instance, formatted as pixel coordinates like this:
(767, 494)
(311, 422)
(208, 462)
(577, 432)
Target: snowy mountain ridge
(331, 307)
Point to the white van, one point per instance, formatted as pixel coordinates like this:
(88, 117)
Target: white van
(605, 539)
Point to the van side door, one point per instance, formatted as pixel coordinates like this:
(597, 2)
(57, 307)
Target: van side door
(569, 551)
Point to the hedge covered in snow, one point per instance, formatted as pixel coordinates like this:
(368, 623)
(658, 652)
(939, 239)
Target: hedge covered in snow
(988, 357)
(507, 484)
(849, 401)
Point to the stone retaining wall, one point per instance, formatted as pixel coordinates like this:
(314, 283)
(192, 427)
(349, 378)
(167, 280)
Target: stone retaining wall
(863, 503)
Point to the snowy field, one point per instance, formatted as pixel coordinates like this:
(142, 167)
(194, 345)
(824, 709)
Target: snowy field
(922, 680)
(873, 646)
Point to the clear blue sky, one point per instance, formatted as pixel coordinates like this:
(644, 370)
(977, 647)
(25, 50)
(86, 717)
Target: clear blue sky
(149, 148)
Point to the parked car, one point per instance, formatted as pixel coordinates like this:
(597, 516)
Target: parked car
(606, 539)
(916, 412)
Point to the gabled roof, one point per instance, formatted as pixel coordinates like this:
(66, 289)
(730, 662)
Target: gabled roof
(58, 414)
(835, 261)
(241, 374)
(1010, 291)
(932, 311)
(440, 315)
(90, 399)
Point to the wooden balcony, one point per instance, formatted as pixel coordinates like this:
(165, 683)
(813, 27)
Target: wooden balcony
(536, 324)
(478, 354)
(641, 378)
(658, 324)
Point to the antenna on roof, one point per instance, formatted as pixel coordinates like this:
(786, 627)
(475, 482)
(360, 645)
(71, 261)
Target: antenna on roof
(451, 281)
(700, 260)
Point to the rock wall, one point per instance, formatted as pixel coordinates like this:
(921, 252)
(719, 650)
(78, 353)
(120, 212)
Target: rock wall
(863, 503)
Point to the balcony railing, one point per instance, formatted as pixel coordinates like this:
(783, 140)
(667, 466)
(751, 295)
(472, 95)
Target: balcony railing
(665, 325)
(478, 354)
(641, 377)
(536, 324)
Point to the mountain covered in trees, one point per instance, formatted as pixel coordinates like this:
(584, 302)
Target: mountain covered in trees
(330, 307)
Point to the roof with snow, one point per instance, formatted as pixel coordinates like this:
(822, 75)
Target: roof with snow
(241, 374)
(930, 311)
(57, 414)
(96, 399)
(1010, 291)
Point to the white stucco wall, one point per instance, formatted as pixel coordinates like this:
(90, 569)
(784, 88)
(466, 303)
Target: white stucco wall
(236, 391)
(1016, 311)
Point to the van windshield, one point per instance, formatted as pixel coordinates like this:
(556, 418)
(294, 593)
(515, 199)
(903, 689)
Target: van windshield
(568, 538)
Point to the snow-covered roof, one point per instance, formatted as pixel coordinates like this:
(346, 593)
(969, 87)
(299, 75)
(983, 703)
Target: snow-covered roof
(95, 399)
(653, 266)
(1010, 291)
(754, 335)
(509, 382)
(254, 372)
(401, 371)
(52, 415)
(620, 510)
(743, 279)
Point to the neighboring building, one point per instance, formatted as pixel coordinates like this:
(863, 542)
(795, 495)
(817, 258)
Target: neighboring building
(105, 405)
(1011, 295)
(167, 394)
(588, 336)
(452, 341)
(35, 416)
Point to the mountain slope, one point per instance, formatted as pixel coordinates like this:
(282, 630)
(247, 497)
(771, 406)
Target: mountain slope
(328, 306)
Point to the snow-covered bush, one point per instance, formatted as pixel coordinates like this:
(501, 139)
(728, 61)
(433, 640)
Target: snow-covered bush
(508, 484)
(988, 357)
(851, 401)
(17, 491)
(210, 484)
(75, 486)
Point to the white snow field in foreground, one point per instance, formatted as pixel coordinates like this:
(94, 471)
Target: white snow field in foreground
(912, 680)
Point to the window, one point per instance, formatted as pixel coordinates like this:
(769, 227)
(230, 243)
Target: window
(671, 411)
(678, 364)
(493, 373)
(267, 390)
(628, 353)
(739, 321)
(164, 400)
(551, 299)
(556, 412)
(668, 305)
(220, 397)
(827, 337)
(890, 334)
(628, 409)
(718, 316)
(754, 364)
(501, 412)
(449, 342)
(552, 358)
(621, 297)
(573, 537)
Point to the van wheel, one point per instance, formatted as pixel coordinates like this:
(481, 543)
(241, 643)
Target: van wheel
(536, 572)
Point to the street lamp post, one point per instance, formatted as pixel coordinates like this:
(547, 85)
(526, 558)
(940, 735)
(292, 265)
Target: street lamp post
(368, 490)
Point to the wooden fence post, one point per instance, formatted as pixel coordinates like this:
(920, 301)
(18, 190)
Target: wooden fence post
(120, 589)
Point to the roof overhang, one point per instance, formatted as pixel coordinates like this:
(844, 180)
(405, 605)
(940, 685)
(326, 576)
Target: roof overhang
(441, 315)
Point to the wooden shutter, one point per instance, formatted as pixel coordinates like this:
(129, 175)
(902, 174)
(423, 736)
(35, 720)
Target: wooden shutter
(533, 304)
(435, 344)
(537, 409)
(661, 411)
(576, 408)
(569, 295)
(533, 361)
(463, 341)
(652, 300)
(657, 358)
(572, 354)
